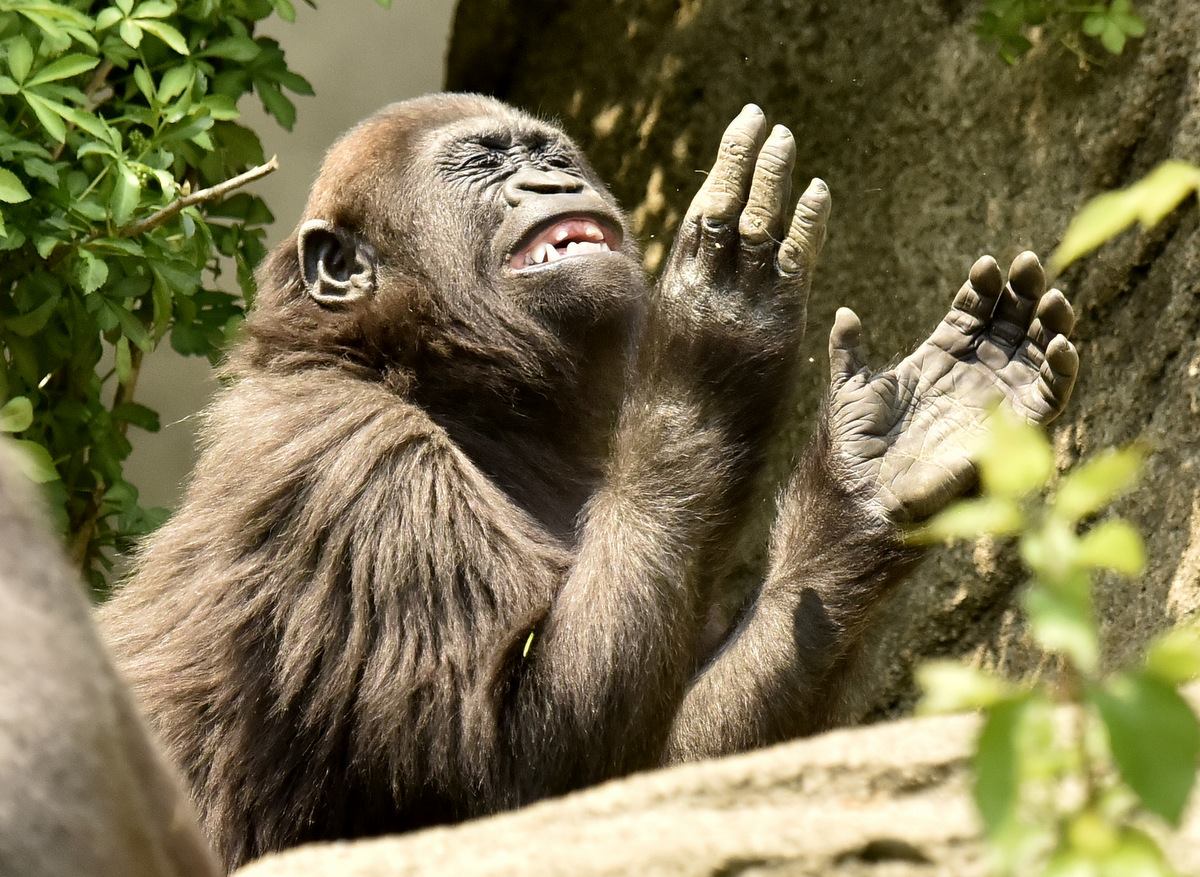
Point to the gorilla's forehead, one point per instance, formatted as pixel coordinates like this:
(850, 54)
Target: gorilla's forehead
(378, 152)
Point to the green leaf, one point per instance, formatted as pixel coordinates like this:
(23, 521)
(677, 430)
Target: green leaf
(138, 415)
(122, 360)
(1155, 740)
(1109, 214)
(969, 518)
(1060, 620)
(1174, 657)
(236, 48)
(130, 33)
(108, 17)
(1016, 458)
(996, 788)
(175, 81)
(8, 86)
(133, 327)
(47, 113)
(33, 322)
(127, 191)
(35, 461)
(276, 104)
(1113, 38)
(221, 107)
(167, 34)
(20, 57)
(1134, 25)
(1164, 189)
(284, 9)
(1095, 483)
(64, 68)
(951, 686)
(16, 415)
(145, 83)
(1137, 855)
(1100, 220)
(154, 9)
(1113, 544)
(12, 190)
(1095, 23)
(41, 170)
(89, 122)
(90, 271)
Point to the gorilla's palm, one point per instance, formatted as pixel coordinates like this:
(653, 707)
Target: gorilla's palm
(905, 434)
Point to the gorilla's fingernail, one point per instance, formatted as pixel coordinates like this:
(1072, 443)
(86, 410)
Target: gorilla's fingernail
(752, 108)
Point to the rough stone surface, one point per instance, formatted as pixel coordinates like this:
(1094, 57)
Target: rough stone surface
(890, 800)
(936, 152)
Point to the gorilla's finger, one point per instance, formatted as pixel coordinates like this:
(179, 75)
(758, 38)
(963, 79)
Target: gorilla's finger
(847, 354)
(799, 250)
(712, 214)
(739, 144)
(724, 190)
(1054, 316)
(1058, 373)
(764, 217)
(975, 301)
(1014, 310)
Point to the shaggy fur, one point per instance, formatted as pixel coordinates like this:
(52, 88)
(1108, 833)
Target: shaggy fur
(440, 555)
(83, 788)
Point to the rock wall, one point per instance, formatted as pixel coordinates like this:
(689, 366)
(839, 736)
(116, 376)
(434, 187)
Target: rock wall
(936, 152)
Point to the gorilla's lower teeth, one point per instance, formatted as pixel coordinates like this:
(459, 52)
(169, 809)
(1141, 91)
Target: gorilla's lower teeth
(546, 252)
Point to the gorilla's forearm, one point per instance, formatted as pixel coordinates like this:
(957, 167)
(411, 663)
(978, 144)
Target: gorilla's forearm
(780, 675)
(608, 666)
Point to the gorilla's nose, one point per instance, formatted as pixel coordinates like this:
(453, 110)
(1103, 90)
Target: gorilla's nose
(529, 182)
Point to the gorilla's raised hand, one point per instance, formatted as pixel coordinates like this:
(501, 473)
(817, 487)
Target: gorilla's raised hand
(905, 434)
(738, 266)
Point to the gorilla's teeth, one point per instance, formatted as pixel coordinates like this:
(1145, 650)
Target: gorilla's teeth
(551, 253)
(593, 232)
(572, 248)
(537, 256)
(561, 233)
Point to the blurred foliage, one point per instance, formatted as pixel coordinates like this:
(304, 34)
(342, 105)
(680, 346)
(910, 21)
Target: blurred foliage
(1009, 25)
(1147, 201)
(118, 135)
(1085, 793)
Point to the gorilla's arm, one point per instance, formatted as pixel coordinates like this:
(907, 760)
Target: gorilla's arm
(609, 664)
(891, 447)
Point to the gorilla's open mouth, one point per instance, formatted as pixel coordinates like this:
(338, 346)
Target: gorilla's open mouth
(564, 238)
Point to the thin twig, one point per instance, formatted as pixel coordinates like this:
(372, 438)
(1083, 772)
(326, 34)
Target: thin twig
(212, 193)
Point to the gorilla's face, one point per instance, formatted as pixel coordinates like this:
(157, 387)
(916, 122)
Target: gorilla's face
(522, 212)
(457, 227)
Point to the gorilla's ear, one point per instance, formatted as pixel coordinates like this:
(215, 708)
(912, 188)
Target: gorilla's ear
(336, 269)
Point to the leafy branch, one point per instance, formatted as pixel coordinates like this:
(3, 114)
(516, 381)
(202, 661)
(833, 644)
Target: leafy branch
(212, 193)
(121, 161)
(1011, 25)
(1087, 798)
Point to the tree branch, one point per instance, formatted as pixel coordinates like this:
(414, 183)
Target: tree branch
(212, 193)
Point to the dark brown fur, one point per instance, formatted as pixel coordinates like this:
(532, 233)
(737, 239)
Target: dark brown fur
(330, 634)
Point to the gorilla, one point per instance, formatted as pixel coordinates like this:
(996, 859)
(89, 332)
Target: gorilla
(466, 494)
